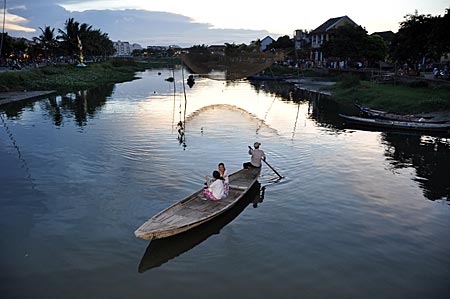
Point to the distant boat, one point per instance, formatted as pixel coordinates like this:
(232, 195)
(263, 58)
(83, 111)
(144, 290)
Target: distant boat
(195, 210)
(398, 117)
(385, 123)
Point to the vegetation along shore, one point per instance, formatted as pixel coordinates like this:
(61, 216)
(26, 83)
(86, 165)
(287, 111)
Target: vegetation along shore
(69, 77)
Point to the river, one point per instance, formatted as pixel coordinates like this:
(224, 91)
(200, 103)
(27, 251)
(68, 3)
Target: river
(358, 214)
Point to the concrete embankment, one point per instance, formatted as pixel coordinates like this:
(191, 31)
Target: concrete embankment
(14, 96)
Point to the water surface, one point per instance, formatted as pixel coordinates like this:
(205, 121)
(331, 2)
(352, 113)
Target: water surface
(359, 213)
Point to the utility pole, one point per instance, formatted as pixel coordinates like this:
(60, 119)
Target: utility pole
(3, 28)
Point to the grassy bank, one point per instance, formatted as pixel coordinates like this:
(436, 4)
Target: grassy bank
(400, 98)
(69, 77)
(413, 97)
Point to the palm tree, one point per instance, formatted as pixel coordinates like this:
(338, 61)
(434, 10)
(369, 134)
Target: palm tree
(69, 37)
(48, 40)
(94, 42)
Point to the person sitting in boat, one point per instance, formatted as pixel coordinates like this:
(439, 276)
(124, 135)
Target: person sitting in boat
(226, 181)
(214, 190)
(257, 156)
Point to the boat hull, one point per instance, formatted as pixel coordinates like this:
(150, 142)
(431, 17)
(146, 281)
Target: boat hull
(384, 123)
(398, 117)
(194, 210)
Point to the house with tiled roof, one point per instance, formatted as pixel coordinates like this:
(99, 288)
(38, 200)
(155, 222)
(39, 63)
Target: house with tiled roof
(316, 38)
(322, 33)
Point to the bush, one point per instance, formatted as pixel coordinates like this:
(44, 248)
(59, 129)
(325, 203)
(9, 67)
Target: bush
(123, 62)
(415, 84)
(349, 81)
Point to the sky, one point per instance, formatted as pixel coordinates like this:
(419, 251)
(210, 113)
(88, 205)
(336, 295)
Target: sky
(207, 22)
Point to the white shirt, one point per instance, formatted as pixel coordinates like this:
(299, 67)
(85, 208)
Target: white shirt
(225, 176)
(217, 188)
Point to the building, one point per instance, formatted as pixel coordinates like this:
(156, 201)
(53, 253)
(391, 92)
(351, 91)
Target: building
(265, 42)
(123, 49)
(322, 33)
(316, 38)
(301, 39)
(136, 47)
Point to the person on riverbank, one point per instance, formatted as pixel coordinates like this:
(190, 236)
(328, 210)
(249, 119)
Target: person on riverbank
(257, 156)
(214, 189)
(226, 181)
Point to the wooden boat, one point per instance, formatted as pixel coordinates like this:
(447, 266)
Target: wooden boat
(385, 123)
(161, 251)
(398, 117)
(195, 210)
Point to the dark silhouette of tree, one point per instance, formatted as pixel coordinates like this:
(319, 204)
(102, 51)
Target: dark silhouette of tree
(352, 43)
(283, 42)
(69, 36)
(346, 42)
(94, 42)
(375, 48)
(48, 40)
(8, 45)
(422, 36)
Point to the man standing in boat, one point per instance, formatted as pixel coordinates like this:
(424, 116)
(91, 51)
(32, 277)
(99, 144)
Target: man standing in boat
(257, 156)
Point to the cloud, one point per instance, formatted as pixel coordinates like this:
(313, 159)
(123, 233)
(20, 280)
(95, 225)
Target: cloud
(133, 25)
(14, 23)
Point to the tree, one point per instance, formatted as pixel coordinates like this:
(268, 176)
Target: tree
(375, 48)
(439, 40)
(410, 42)
(69, 37)
(421, 37)
(8, 45)
(346, 42)
(94, 42)
(283, 42)
(48, 40)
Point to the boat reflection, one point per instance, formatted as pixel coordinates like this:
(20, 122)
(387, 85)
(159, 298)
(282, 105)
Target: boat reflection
(428, 155)
(161, 251)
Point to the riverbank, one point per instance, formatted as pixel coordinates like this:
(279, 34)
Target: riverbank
(66, 77)
(13, 96)
(394, 98)
(416, 96)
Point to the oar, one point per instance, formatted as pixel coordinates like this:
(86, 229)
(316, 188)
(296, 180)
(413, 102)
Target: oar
(270, 166)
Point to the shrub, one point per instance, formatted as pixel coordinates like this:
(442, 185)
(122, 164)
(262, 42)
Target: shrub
(415, 84)
(349, 81)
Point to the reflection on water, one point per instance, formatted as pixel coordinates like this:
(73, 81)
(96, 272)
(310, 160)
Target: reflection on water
(162, 250)
(80, 106)
(429, 156)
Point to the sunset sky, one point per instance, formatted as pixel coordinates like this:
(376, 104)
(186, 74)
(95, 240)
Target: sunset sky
(230, 19)
(281, 16)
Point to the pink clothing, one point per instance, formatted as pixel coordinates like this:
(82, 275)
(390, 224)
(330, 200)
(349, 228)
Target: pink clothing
(208, 194)
(215, 191)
